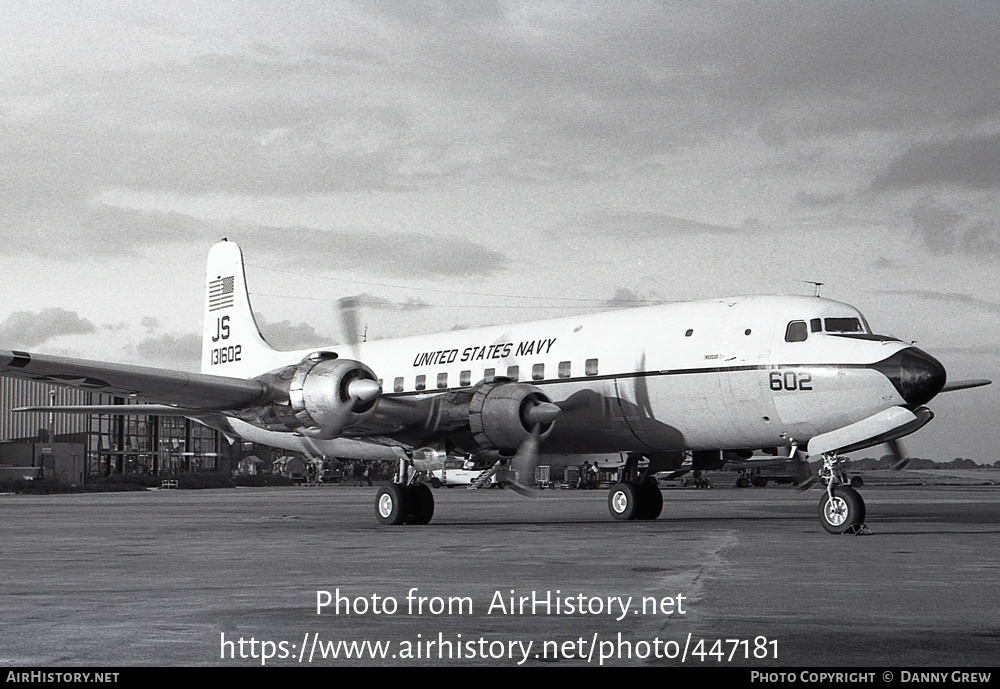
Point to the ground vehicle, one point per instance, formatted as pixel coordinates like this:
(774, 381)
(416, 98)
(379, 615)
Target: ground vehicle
(458, 472)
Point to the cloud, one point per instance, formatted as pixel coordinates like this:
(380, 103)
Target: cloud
(287, 335)
(949, 298)
(624, 298)
(944, 230)
(383, 253)
(109, 230)
(966, 161)
(809, 200)
(70, 227)
(467, 92)
(639, 226)
(171, 351)
(26, 329)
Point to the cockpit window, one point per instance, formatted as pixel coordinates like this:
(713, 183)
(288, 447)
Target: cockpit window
(796, 332)
(843, 325)
(816, 325)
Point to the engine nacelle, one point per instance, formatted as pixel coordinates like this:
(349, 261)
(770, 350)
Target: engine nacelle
(318, 397)
(500, 414)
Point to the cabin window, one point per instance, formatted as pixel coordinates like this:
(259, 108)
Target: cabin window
(490, 374)
(513, 372)
(442, 381)
(796, 332)
(816, 325)
(397, 384)
(538, 372)
(421, 383)
(465, 379)
(590, 367)
(843, 325)
(565, 369)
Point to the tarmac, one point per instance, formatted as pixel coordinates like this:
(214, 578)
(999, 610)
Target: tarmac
(291, 576)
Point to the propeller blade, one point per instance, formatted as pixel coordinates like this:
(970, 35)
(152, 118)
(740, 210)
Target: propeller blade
(521, 474)
(804, 478)
(572, 403)
(348, 307)
(807, 484)
(899, 458)
(951, 386)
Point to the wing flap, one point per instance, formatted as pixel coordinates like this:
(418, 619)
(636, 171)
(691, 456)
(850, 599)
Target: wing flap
(194, 391)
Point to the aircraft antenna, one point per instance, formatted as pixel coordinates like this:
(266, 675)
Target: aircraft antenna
(816, 286)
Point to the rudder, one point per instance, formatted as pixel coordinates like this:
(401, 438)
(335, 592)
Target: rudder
(231, 342)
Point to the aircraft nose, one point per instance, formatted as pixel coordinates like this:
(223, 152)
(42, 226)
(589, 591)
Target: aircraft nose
(915, 374)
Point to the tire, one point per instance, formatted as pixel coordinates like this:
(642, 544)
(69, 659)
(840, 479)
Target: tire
(759, 482)
(845, 511)
(650, 500)
(391, 504)
(623, 501)
(742, 482)
(488, 483)
(857, 482)
(421, 504)
(436, 482)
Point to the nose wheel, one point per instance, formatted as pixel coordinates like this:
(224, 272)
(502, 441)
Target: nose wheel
(841, 509)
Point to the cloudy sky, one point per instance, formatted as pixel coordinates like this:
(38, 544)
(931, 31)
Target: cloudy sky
(468, 163)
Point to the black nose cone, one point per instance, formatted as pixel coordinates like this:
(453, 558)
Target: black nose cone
(915, 374)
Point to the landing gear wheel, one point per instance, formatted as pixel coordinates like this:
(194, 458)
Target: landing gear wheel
(759, 482)
(623, 501)
(650, 500)
(844, 512)
(421, 504)
(391, 504)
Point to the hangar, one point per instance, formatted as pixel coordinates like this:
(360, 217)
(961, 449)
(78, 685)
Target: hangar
(75, 447)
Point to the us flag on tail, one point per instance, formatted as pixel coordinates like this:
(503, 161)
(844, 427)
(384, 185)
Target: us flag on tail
(220, 293)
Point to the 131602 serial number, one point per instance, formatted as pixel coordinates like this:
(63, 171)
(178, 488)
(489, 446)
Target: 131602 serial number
(223, 355)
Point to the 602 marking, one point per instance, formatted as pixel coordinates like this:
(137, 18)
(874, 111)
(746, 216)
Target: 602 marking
(790, 380)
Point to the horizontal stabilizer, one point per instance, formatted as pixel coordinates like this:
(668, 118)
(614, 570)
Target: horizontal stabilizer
(887, 425)
(195, 391)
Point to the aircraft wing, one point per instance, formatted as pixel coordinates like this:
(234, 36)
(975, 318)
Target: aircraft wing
(170, 389)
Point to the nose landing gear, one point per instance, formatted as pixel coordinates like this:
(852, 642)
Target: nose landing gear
(842, 509)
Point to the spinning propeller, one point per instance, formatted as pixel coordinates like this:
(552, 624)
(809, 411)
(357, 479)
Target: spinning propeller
(521, 474)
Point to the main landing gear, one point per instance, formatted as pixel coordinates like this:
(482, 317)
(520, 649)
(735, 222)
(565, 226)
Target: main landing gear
(404, 501)
(636, 496)
(842, 509)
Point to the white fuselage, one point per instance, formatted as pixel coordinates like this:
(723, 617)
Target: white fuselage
(706, 375)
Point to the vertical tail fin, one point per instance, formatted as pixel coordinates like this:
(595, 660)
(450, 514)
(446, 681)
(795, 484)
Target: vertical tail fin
(231, 343)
